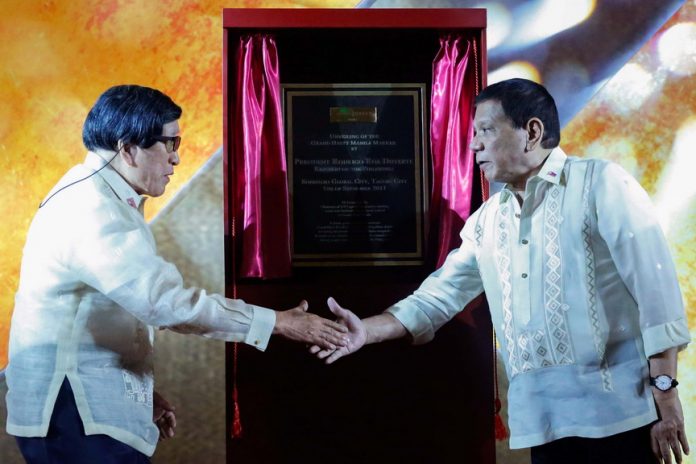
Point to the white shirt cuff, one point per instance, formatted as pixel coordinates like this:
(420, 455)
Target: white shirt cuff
(261, 327)
(660, 338)
(416, 322)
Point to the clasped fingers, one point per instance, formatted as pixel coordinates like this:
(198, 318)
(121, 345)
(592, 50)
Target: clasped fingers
(327, 334)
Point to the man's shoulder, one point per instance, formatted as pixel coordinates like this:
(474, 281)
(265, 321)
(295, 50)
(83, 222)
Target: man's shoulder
(79, 197)
(492, 203)
(81, 185)
(600, 167)
(585, 161)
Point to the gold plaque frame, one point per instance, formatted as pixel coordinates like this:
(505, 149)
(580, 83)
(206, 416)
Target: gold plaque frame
(420, 171)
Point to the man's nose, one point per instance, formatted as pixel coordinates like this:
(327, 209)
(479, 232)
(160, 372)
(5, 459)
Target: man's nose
(174, 157)
(475, 145)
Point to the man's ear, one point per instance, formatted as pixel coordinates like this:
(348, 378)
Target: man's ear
(127, 152)
(535, 132)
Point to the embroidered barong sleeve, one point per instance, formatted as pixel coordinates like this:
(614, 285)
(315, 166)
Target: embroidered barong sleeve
(444, 293)
(628, 223)
(119, 259)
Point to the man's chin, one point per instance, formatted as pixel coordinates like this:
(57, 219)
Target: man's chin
(489, 177)
(154, 193)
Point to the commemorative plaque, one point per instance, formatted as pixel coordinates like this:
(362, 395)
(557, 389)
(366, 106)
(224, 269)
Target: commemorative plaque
(357, 173)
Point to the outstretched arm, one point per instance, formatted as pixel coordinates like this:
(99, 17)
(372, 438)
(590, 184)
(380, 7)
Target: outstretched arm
(439, 298)
(361, 332)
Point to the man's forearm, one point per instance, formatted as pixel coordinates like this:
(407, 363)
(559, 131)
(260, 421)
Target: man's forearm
(664, 363)
(383, 327)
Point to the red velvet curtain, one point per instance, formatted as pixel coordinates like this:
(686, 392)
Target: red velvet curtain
(455, 85)
(260, 171)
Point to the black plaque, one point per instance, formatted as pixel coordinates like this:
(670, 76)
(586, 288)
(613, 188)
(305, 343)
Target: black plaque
(356, 173)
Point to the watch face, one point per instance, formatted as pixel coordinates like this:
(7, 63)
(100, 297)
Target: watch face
(663, 382)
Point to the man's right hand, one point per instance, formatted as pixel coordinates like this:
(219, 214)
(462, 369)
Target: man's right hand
(299, 325)
(357, 334)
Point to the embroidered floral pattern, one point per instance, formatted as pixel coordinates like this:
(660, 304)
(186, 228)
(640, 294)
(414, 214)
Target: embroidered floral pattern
(136, 389)
(502, 255)
(556, 322)
(534, 350)
(593, 313)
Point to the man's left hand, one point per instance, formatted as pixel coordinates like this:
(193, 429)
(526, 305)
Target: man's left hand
(163, 416)
(668, 435)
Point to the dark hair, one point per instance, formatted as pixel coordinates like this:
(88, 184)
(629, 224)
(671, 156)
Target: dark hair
(130, 113)
(522, 100)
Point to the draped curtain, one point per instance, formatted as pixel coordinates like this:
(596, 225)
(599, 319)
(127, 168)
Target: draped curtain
(455, 85)
(260, 170)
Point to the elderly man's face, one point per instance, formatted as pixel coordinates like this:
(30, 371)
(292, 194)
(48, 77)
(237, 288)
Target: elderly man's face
(154, 165)
(499, 147)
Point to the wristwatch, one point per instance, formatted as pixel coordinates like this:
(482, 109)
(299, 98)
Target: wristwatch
(663, 382)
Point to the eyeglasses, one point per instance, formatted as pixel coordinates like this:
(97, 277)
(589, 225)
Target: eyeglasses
(170, 143)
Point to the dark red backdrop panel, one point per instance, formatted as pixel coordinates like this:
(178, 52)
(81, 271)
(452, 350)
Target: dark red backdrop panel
(392, 402)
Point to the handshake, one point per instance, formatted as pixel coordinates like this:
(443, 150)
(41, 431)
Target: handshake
(328, 340)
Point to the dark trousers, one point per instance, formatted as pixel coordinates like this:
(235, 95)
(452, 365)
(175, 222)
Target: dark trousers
(66, 442)
(632, 447)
